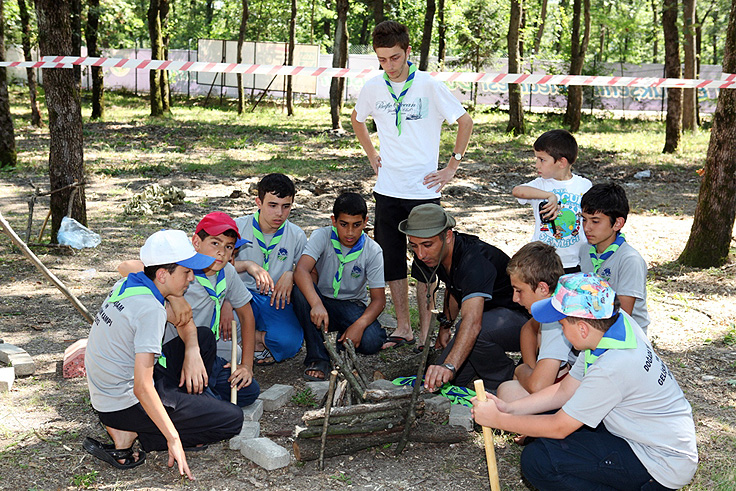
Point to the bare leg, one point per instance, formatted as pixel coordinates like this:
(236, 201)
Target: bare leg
(260, 340)
(511, 390)
(425, 311)
(122, 439)
(400, 297)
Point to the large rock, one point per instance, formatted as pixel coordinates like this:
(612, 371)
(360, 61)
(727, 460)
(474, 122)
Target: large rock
(265, 453)
(18, 358)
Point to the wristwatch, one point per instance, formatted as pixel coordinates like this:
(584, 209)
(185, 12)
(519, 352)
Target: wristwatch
(450, 367)
(457, 156)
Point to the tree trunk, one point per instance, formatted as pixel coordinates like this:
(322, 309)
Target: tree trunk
(25, 20)
(8, 155)
(516, 108)
(98, 88)
(540, 28)
(77, 39)
(441, 34)
(688, 95)
(710, 236)
(655, 25)
(427, 35)
(577, 59)
(155, 78)
(558, 43)
(66, 149)
(241, 40)
(163, 12)
(378, 15)
(290, 60)
(339, 60)
(672, 70)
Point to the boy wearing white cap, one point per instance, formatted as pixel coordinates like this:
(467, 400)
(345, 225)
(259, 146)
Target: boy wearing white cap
(124, 342)
(623, 421)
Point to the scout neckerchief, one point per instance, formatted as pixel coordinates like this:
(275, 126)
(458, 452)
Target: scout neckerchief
(258, 234)
(138, 284)
(619, 336)
(457, 395)
(216, 293)
(599, 260)
(350, 256)
(404, 90)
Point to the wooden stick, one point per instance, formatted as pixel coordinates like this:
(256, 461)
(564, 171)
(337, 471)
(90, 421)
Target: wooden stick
(480, 393)
(329, 341)
(326, 424)
(234, 362)
(8, 230)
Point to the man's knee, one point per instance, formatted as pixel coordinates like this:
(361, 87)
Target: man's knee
(536, 465)
(373, 338)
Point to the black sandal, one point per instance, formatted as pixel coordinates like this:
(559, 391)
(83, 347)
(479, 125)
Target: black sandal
(317, 366)
(108, 453)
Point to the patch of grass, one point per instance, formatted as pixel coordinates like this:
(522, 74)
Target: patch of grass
(342, 477)
(305, 398)
(729, 339)
(85, 480)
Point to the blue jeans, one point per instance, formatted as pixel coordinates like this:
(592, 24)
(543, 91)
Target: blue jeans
(284, 334)
(219, 387)
(342, 314)
(589, 459)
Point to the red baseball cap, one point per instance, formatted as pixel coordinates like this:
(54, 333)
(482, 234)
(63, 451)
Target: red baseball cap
(216, 223)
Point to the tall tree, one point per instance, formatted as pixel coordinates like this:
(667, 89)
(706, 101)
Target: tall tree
(427, 35)
(516, 108)
(25, 20)
(578, 47)
(655, 27)
(241, 40)
(157, 53)
(290, 59)
(8, 155)
(378, 12)
(441, 34)
(66, 149)
(673, 121)
(339, 60)
(98, 80)
(77, 37)
(710, 236)
(163, 12)
(689, 120)
(540, 27)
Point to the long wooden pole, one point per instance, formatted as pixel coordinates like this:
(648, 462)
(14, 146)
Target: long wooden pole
(234, 361)
(326, 422)
(480, 393)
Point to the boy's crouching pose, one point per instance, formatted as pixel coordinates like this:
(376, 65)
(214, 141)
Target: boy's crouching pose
(623, 422)
(123, 344)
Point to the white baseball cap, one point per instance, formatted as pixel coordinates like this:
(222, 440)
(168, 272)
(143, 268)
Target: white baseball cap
(173, 246)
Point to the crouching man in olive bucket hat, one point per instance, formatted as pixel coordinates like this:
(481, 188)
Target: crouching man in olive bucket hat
(477, 288)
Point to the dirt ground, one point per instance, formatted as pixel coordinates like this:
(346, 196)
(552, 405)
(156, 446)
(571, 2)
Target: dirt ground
(44, 419)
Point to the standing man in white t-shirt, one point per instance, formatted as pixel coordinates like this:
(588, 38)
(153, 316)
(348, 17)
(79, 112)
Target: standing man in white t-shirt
(408, 107)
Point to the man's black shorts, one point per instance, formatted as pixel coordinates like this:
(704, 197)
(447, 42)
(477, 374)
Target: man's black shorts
(389, 213)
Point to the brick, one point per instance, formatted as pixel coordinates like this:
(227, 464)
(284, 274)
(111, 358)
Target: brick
(18, 358)
(437, 404)
(7, 377)
(265, 453)
(254, 411)
(319, 389)
(74, 359)
(250, 430)
(461, 416)
(276, 396)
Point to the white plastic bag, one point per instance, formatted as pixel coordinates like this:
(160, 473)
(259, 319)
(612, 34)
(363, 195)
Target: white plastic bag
(73, 233)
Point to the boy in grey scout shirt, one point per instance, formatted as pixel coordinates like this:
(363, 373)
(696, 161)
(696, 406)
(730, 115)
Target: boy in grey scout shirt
(345, 261)
(623, 422)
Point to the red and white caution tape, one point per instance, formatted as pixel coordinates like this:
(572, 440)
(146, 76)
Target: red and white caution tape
(728, 80)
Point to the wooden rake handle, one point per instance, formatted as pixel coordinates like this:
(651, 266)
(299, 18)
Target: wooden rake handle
(234, 361)
(480, 393)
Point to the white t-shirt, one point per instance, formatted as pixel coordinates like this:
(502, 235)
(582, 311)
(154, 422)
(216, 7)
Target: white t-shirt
(568, 236)
(407, 158)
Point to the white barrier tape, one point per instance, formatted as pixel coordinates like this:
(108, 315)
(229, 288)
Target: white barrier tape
(728, 80)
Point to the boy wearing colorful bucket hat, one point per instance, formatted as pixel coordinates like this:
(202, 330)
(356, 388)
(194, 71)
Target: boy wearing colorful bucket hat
(623, 421)
(124, 342)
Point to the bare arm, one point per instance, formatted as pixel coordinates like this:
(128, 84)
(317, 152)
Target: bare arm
(627, 303)
(146, 393)
(264, 282)
(528, 342)
(539, 377)
(130, 266)
(193, 373)
(374, 309)
(552, 207)
(361, 132)
(243, 375)
(304, 281)
(441, 177)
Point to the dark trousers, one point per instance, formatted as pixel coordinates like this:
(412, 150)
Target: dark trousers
(500, 331)
(342, 314)
(590, 459)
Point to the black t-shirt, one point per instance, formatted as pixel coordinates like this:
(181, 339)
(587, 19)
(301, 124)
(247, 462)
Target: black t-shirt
(478, 269)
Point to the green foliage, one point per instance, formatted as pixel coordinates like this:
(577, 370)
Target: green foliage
(305, 398)
(85, 480)
(482, 36)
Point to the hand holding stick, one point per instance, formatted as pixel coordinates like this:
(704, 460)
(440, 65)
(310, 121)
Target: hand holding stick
(480, 393)
(234, 362)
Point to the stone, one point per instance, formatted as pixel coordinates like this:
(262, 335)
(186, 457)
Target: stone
(265, 453)
(7, 377)
(387, 320)
(74, 359)
(276, 396)
(18, 358)
(437, 404)
(254, 411)
(461, 416)
(383, 384)
(319, 389)
(250, 430)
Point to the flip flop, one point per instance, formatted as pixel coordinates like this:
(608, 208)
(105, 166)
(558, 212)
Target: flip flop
(110, 454)
(198, 448)
(399, 341)
(263, 358)
(317, 366)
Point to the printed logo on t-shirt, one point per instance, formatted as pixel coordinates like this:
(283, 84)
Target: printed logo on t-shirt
(355, 273)
(283, 254)
(566, 228)
(605, 273)
(411, 110)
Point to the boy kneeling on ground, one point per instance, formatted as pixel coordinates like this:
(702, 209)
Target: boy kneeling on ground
(623, 421)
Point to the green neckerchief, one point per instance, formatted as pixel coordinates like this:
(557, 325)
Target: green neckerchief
(398, 100)
(598, 260)
(350, 256)
(619, 336)
(216, 293)
(457, 395)
(258, 234)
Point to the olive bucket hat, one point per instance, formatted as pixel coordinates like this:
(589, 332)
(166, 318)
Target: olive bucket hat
(426, 221)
